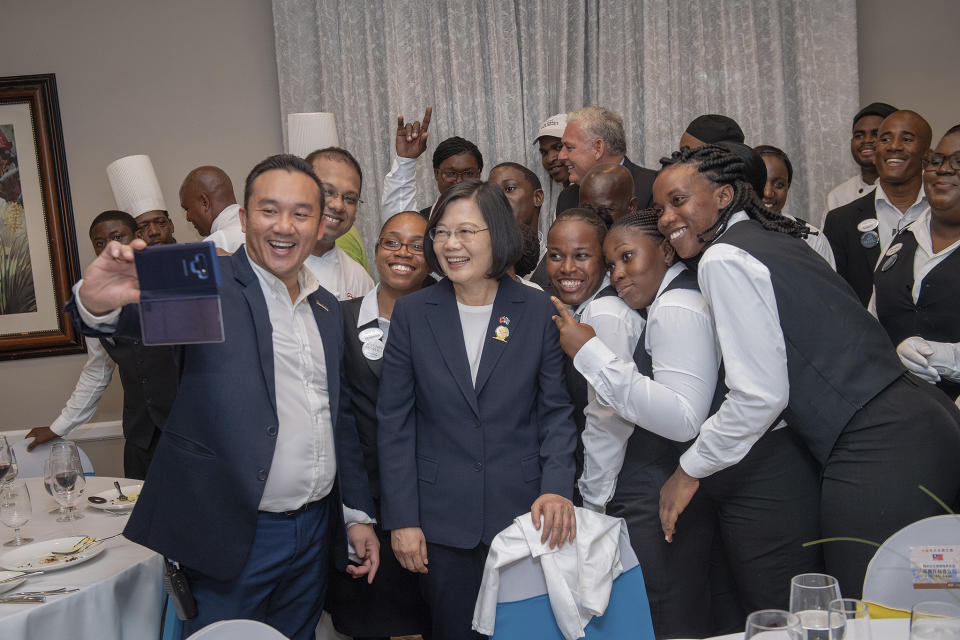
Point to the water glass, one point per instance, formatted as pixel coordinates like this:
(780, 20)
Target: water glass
(773, 624)
(8, 462)
(810, 598)
(15, 510)
(935, 621)
(67, 483)
(856, 617)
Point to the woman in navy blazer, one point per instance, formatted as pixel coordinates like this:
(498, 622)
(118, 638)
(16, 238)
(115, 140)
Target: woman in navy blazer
(475, 424)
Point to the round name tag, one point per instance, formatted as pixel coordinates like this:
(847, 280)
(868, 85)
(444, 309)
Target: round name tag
(373, 350)
(889, 262)
(868, 225)
(895, 248)
(869, 239)
(371, 334)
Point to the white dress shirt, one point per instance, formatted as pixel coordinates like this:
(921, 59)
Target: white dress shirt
(892, 221)
(819, 243)
(94, 378)
(400, 188)
(740, 293)
(681, 341)
(848, 191)
(605, 433)
(226, 231)
(370, 310)
(340, 274)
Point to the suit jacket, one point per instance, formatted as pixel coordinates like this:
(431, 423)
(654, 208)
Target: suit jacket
(642, 188)
(461, 460)
(200, 500)
(855, 263)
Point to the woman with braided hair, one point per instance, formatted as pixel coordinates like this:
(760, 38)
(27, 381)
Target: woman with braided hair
(797, 345)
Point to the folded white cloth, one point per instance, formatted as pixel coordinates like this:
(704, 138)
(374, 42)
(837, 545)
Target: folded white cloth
(579, 576)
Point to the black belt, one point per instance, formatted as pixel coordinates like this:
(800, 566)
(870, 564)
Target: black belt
(296, 512)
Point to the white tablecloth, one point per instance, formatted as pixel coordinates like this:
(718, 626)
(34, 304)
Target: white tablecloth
(121, 591)
(888, 629)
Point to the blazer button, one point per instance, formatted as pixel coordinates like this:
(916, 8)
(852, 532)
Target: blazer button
(477, 466)
(262, 474)
(271, 431)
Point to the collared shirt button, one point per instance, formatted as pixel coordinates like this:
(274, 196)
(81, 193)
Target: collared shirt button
(143, 381)
(272, 430)
(261, 474)
(477, 466)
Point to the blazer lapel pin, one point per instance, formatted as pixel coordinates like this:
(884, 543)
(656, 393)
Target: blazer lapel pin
(320, 305)
(501, 333)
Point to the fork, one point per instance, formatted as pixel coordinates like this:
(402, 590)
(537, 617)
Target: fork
(48, 592)
(15, 599)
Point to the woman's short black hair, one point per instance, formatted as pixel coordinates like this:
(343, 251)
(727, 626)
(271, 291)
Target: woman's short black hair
(584, 215)
(505, 242)
(770, 150)
(453, 147)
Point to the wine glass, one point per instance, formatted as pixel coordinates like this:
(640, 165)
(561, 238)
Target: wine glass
(8, 462)
(68, 483)
(773, 624)
(935, 621)
(810, 598)
(48, 482)
(856, 616)
(15, 510)
(67, 446)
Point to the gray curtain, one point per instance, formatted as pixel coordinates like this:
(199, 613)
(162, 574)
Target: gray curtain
(786, 70)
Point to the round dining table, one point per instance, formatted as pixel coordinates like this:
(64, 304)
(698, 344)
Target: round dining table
(880, 629)
(119, 592)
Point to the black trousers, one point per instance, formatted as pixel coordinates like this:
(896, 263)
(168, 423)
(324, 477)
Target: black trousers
(136, 460)
(450, 589)
(907, 436)
(675, 574)
(767, 505)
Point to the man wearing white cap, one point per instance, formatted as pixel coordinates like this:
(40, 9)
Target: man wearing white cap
(548, 138)
(137, 192)
(210, 205)
(341, 177)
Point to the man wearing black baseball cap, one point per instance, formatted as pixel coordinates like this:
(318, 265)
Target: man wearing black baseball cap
(862, 147)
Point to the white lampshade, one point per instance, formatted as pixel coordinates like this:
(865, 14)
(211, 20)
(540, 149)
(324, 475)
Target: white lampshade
(307, 132)
(135, 186)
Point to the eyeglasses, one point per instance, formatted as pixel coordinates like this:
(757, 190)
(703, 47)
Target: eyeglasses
(349, 198)
(934, 161)
(466, 174)
(394, 245)
(464, 235)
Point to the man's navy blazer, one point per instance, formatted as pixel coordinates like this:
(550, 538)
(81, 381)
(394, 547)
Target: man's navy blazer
(459, 460)
(855, 263)
(200, 500)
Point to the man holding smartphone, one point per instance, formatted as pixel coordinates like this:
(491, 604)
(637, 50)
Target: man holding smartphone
(259, 464)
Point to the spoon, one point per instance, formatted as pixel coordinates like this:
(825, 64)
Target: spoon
(122, 497)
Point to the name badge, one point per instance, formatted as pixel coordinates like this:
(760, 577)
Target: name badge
(371, 334)
(869, 236)
(373, 350)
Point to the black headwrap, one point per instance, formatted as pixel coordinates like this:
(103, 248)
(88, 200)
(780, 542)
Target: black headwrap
(754, 167)
(713, 128)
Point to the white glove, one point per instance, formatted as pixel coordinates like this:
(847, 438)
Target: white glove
(914, 353)
(945, 359)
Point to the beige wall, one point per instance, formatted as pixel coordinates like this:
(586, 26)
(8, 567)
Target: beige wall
(188, 83)
(908, 57)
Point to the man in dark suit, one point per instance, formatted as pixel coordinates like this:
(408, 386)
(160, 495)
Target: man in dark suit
(259, 459)
(861, 231)
(594, 135)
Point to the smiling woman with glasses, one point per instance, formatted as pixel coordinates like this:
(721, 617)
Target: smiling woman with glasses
(475, 424)
(917, 282)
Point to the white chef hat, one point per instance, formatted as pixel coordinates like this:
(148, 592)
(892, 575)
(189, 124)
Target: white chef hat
(135, 186)
(307, 132)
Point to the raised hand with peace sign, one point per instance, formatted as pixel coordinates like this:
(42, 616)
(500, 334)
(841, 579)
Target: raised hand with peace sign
(412, 137)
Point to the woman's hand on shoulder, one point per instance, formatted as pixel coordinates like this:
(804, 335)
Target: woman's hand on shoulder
(410, 548)
(559, 519)
(573, 334)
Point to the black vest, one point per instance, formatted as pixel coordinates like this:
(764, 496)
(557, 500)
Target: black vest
(149, 376)
(936, 314)
(838, 356)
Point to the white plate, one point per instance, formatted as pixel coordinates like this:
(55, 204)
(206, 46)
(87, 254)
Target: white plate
(37, 556)
(13, 584)
(113, 502)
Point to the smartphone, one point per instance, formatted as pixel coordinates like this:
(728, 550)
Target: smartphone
(179, 294)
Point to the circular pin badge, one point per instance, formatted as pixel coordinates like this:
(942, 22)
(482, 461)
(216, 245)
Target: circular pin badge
(370, 335)
(373, 350)
(869, 240)
(889, 262)
(868, 225)
(894, 248)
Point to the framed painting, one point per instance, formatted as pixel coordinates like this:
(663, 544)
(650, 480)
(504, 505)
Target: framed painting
(38, 247)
